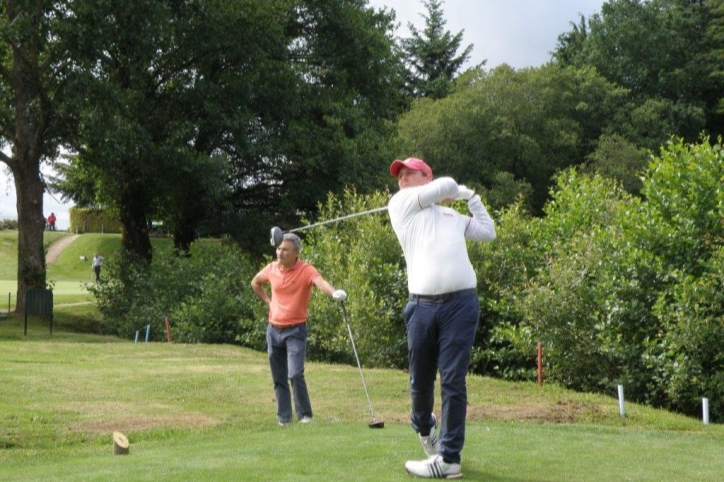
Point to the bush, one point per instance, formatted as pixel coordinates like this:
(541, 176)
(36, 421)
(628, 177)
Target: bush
(206, 296)
(690, 363)
(591, 298)
(88, 220)
(362, 256)
(684, 228)
(501, 348)
(9, 224)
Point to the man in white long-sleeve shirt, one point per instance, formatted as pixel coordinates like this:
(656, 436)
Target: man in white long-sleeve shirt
(442, 313)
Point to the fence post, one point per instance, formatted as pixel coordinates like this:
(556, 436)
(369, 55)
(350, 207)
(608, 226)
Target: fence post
(621, 407)
(540, 364)
(168, 329)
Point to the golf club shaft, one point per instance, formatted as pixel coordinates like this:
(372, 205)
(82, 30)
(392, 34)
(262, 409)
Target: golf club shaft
(356, 356)
(342, 218)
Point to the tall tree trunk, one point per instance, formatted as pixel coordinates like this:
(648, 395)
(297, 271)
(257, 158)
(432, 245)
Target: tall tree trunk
(135, 240)
(31, 224)
(31, 115)
(184, 231)
(182, 239)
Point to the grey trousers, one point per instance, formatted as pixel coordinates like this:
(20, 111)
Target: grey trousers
(287, 349)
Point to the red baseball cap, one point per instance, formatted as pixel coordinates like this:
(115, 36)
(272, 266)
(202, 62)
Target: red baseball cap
(411, 163)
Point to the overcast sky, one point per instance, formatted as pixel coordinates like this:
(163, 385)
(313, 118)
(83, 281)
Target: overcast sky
(520, 33)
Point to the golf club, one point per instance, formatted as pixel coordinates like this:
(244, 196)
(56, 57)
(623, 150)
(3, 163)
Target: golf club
(374, 423)
(277, 234)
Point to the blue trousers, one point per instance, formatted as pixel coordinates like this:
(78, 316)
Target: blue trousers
(440, 335)
(287, 349)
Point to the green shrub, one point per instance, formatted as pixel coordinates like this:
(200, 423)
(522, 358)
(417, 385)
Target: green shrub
(206, 296)
(9, 224)
(590, 301)
(362, 256)
(690, 361)
(89, 220)
(501, 349)
(683, 226)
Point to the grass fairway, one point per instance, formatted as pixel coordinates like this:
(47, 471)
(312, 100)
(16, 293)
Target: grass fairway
(201, 412)
(9, 250)
(70, 273)
(207, 412)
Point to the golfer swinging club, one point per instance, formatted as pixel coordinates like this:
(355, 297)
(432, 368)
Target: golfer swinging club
(442, 312)
(291, 283)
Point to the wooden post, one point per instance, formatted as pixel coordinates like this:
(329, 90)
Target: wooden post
(120, 444)
(540, 364)
(168, 329)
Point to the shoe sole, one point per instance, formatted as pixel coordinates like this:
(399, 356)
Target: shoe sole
(451, 476)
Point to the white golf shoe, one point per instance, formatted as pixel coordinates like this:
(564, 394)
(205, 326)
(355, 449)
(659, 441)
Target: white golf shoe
(433, 468)
(431, 444)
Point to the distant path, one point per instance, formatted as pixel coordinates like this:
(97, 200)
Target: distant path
(57, 247)
(77, 303)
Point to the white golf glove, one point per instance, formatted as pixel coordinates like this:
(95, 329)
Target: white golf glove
(339, 295)
(464, 193)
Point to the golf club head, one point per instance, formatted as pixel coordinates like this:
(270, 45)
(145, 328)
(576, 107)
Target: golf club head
(276, 236)
(377, 424)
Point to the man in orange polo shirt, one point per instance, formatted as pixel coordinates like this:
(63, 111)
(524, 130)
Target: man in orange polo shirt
(291, 283)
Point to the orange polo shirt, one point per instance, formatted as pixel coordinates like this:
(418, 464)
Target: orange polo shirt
(291, 291)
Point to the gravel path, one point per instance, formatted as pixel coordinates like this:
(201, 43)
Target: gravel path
(57, 247)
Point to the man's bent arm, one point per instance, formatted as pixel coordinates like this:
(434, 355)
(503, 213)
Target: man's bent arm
(257, 287)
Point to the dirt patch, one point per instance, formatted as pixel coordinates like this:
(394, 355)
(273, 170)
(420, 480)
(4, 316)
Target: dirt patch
(111, 416)
(561, 412)
(145, 422)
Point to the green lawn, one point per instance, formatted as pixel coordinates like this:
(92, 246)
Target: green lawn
(206, 412)
(69, 274)
(9, 250)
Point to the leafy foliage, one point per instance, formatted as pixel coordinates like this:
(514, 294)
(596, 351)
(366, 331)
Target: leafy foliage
(362, 256)
(432, 55)
(662, 51)
(688, 363)
(686, 203)
(529, 123)
(85, 220)
(206, 296)
(625, 290)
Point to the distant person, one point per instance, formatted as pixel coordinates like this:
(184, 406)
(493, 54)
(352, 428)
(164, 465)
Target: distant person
(51, 222)
(291, 281)
(96, 265)
(442, 310)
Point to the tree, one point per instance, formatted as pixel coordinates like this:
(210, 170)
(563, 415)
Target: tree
(33, 74)
(170, 90)
(431, 55)
(530, 123)
(285, 101)
(571, 43)
(662, 50)
(335, 120)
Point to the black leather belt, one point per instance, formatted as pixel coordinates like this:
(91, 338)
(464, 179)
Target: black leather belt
(443, 297)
